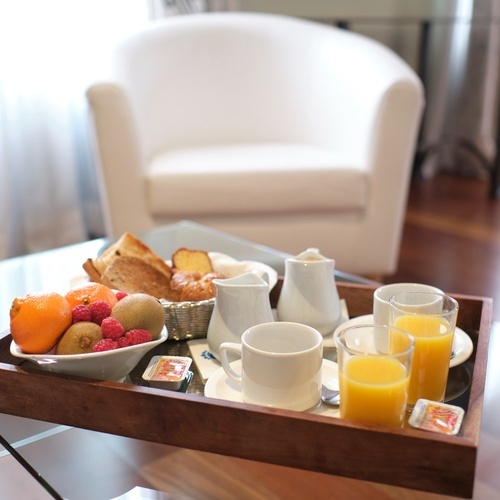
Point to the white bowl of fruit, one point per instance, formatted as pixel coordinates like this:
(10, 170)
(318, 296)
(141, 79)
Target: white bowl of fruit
(104, 340)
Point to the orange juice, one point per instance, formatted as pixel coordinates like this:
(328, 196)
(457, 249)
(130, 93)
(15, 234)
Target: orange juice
(431, 357)
(374, 389)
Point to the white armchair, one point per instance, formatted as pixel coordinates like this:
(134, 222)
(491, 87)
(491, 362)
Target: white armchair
(286, 132)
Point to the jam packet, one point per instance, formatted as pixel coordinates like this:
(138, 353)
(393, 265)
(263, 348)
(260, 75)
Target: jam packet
(436, 417)
(167, 372)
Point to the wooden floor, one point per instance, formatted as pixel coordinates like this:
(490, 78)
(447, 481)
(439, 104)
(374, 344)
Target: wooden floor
(452, 237)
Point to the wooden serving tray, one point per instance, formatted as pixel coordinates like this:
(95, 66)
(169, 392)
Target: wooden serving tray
(403, 457)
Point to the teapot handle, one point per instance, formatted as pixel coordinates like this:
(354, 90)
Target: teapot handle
(224, 349)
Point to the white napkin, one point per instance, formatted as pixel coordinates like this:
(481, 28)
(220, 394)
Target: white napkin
(203, 358)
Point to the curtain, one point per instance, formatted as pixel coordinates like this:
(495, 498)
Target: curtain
(50, 51)
(459, 127)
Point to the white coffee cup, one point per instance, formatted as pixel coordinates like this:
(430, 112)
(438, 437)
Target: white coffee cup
(382, 295)
(281, 365)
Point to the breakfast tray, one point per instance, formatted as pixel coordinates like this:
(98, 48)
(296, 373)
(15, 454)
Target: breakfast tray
(403, 457)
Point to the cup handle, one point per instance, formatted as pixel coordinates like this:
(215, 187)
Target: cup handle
(224, 349)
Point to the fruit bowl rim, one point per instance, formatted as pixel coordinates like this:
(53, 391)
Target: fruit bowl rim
(16, 351)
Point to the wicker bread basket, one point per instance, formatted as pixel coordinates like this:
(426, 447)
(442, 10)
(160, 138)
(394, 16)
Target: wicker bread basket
(188, 320)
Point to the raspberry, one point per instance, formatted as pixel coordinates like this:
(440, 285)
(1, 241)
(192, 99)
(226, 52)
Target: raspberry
(138, 336)
(123, 342)
(100, 309)
(112, 328)
(105, 345)
(81, 312)
(120, 295)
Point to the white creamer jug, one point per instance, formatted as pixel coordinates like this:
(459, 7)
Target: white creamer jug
(240, 303)
(309, 294)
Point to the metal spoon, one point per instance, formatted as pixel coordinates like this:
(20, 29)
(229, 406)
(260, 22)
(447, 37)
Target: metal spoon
(330, 396)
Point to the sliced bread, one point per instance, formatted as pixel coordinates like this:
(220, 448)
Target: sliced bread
(135, 275)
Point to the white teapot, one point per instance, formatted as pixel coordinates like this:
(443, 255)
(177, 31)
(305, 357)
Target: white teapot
(240, 303)
(309, 294)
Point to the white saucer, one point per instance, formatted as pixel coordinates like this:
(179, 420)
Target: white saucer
(462, 343)
(220, 386)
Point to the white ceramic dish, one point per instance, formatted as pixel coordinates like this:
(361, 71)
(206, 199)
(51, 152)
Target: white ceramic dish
(220, 386)
(462, 343)
(112, 365)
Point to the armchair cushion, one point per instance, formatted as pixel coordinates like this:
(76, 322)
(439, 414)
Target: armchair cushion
(254, 178)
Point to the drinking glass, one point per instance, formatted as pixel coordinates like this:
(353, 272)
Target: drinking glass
(430, 318)
(373, 374)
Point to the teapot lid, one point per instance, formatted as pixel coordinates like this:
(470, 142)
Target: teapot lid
(311, 255)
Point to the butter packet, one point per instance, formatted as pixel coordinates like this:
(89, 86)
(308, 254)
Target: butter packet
(436, 417)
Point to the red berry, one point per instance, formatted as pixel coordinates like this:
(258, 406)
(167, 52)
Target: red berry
(81, 312)
(112, 328)
(120, 295)
(105, 345)
(138, 336)
(100, 309)
(123, 342)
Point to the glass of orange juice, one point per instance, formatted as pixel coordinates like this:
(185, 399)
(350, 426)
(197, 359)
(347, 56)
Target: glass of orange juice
(374, 373)
(430, 318)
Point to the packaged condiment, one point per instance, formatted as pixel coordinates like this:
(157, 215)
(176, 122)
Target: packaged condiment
(436, 417)
(167, 372)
